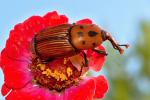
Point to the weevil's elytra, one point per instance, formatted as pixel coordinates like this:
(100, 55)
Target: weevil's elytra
(61, 40)
(54, 42)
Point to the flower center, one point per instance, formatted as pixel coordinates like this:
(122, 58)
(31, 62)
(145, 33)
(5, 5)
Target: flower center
(57, 74)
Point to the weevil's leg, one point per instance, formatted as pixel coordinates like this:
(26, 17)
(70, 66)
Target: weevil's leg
(100, 51)
(107, 36)
(85, 59)
(84, 64)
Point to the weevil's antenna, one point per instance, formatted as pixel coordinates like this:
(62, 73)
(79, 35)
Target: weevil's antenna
(107, 36)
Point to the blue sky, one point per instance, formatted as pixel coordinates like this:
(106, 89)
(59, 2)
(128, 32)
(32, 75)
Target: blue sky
(120, 17)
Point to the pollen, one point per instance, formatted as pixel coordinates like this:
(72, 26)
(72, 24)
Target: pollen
(59, 76)
(47, 72)
(63, 77)
(41, 66)
(65, 60)
(54, 76)
(69, 71)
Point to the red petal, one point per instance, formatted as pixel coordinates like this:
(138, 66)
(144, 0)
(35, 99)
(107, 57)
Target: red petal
(16, 46)
(96, 61)
(18, 43)
(34, 24)
(19, 39)
(84, 91)
(1, 59)
(84, 21)
(5, 90)
(31, 92)
(63, 19)
(101, 86)
(53, 19)
(38, 93)
(16, 73)
(27, 93)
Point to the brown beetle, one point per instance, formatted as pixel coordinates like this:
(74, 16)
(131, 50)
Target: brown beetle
(61, 40)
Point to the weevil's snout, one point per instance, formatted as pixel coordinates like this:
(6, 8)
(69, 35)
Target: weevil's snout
(107, 36)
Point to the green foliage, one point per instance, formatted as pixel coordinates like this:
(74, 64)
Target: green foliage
(121, 84)
(143, 48)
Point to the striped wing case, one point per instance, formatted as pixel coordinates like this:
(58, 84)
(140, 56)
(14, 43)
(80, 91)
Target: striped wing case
(53, 42)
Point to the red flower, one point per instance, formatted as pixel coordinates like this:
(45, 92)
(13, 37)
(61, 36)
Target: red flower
(19, 75)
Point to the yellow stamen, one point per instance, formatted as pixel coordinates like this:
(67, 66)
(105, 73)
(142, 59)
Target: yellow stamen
(47, 72)
(63, 77)
(69, 71)
(65, 60)
(56, 74)
(41, 66)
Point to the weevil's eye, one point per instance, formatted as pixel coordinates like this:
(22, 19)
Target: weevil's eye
(80, 34)
(92, 33)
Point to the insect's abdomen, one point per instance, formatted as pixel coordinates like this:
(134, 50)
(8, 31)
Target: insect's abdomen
(53, 42)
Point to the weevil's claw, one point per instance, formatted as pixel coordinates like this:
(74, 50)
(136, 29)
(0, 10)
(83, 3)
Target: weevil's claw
(121, 51)
(127, 45)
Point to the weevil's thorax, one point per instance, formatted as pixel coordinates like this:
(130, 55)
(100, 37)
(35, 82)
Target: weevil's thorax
(86, 36)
